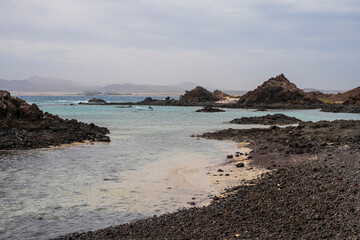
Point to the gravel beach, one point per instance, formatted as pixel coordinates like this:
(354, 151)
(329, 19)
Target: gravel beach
(312, 192)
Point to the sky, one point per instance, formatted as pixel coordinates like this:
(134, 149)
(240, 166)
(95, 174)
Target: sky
(227, 44)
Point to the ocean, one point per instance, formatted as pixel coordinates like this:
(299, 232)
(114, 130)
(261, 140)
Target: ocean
(142, 172)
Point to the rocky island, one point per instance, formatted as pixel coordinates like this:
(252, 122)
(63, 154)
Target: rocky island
(24, 126)
(277, 92)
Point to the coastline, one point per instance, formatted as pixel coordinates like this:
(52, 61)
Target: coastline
(311, 192)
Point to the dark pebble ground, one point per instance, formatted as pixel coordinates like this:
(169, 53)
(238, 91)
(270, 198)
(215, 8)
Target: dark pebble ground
(313, 191)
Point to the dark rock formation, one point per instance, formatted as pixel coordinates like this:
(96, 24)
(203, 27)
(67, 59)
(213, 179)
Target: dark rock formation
(276, 119)
(278, 90)
(210, 109)
(308, 137)
(353, 100)
(341, 108)
(25, 126)
(221, 95)
(96, 100)
(199, 94)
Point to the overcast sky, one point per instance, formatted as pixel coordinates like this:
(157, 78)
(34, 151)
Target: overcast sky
(233, 44)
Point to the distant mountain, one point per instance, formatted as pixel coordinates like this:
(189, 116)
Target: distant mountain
(48, 84)
(323, 91)
(17, 85)
(134, 88)
(41, 84)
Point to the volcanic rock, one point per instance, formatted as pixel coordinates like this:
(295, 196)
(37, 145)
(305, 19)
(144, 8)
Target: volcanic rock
(199, 94)
(354, 100)
(96, 100)
(278, 90)
(276, 119)
(25, 126)
(221, 95)
(210, 109)
(306, 138)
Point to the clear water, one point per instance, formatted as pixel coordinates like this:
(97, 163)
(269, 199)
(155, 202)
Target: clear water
(49, 192)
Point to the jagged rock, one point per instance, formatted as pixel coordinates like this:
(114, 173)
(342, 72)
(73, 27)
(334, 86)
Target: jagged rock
(25, 126)
(12, 109)
(278, 90)
(278, 118)
(210, 109)
(199, 94)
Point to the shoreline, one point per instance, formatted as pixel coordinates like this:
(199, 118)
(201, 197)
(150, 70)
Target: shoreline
(216, 179)
(312, 191)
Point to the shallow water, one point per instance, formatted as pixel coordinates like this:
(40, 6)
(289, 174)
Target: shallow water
(49, 192)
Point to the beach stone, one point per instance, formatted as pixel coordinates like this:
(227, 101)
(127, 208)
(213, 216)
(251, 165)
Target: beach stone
(240, 165)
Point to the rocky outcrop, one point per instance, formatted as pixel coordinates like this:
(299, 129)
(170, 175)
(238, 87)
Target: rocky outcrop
(199, 94)
(354, 100)
(276, 119)
(221, 95)
(210, 109)
(307, 137)
(25, 126)
(341, 108)
(277, 90)
(96, 100)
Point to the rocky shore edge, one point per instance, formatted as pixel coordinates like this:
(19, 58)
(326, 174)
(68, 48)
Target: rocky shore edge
(312, 191)
(24, 126)
(275, 119)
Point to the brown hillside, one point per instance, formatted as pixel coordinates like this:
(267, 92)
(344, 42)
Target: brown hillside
(349, 98)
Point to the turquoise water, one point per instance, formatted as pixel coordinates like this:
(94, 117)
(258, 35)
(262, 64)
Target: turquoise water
(49, 192)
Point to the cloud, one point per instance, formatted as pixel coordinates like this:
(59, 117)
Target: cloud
(167, 40)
